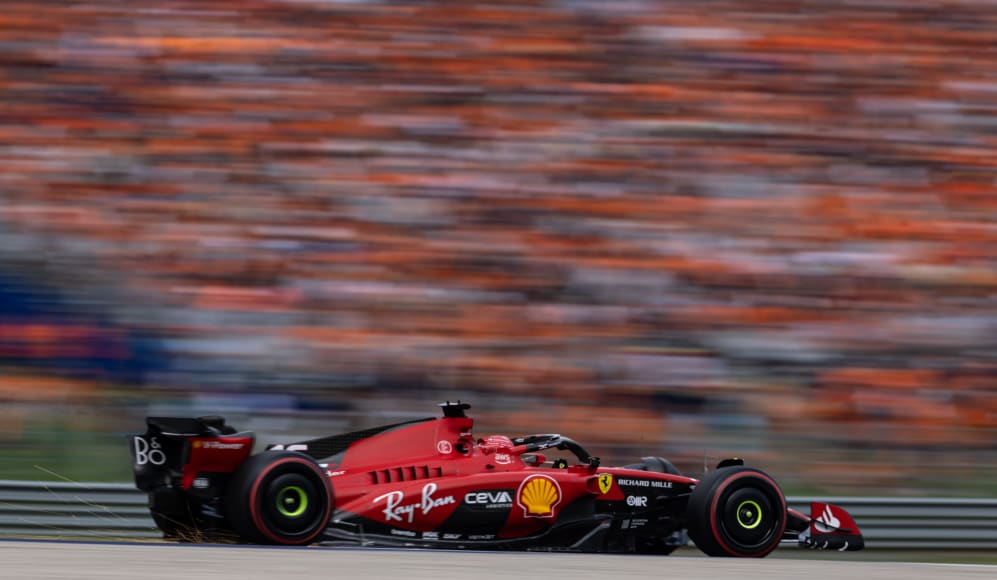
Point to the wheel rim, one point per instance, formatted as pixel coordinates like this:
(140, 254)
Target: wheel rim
(749, 514)
(748, 519)
(292, 501)
(292, 505)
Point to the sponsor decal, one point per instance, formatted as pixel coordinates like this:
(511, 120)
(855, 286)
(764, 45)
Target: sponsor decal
(220, 445)
(481, 536)
(444, 447)
(633, 524)
(201, 483)
(538, 495)
(827, 522)
(395, 510)
(150, 451)
(451, 536)
(489, 499)
(430, 536)
(292, 447)
(637, 500)
(605, 483)
(644, 483)
(403, 533)
(503, 458)
(331, 473)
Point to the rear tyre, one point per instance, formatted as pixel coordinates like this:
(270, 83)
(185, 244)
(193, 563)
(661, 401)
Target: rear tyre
(737, 511)
(174, 515)
(279, 497)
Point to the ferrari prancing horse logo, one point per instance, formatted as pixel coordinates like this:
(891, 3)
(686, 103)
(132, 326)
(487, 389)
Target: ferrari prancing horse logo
(605, 483)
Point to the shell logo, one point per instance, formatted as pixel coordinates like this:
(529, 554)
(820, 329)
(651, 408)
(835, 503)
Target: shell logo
(538, 495)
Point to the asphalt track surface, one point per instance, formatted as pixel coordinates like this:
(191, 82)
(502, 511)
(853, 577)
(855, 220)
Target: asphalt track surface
(46, 560)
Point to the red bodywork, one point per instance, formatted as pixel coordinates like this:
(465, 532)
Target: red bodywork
(214, 454)
(444, 470)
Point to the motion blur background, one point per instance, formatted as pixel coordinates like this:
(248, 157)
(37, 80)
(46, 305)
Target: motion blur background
(693, 229)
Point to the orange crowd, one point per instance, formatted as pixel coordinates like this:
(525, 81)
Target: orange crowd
(681, 225)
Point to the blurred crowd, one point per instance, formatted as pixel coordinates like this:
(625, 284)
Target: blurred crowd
(765, 223)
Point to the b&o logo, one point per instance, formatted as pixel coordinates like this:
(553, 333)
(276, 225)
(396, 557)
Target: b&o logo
(149, 452)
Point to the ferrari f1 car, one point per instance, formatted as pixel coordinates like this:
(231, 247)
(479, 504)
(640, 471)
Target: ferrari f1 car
(430, 483)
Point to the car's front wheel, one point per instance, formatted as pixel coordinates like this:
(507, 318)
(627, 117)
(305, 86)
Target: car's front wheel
(737, 511)
(279, 497)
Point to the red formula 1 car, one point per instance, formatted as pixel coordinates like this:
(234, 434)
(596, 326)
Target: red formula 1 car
(430, 483)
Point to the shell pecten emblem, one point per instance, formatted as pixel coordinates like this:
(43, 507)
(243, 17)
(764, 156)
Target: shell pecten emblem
(538, 495)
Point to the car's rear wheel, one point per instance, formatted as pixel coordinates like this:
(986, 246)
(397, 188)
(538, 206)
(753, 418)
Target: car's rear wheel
(737, 511)
(279, 497)
(174, 515)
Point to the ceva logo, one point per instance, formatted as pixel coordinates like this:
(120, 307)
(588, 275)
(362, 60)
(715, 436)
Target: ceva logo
(488, 498)
(538, 495)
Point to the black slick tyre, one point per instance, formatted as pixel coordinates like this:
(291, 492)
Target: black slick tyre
(174, 515)
(279, 497)
(737, 511)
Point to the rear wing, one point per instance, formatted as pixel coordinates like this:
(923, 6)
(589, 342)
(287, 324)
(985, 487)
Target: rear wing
(184, 427)
(195, 454)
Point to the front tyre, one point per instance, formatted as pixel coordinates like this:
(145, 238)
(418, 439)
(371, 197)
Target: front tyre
(279, 497)
(737, 511)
